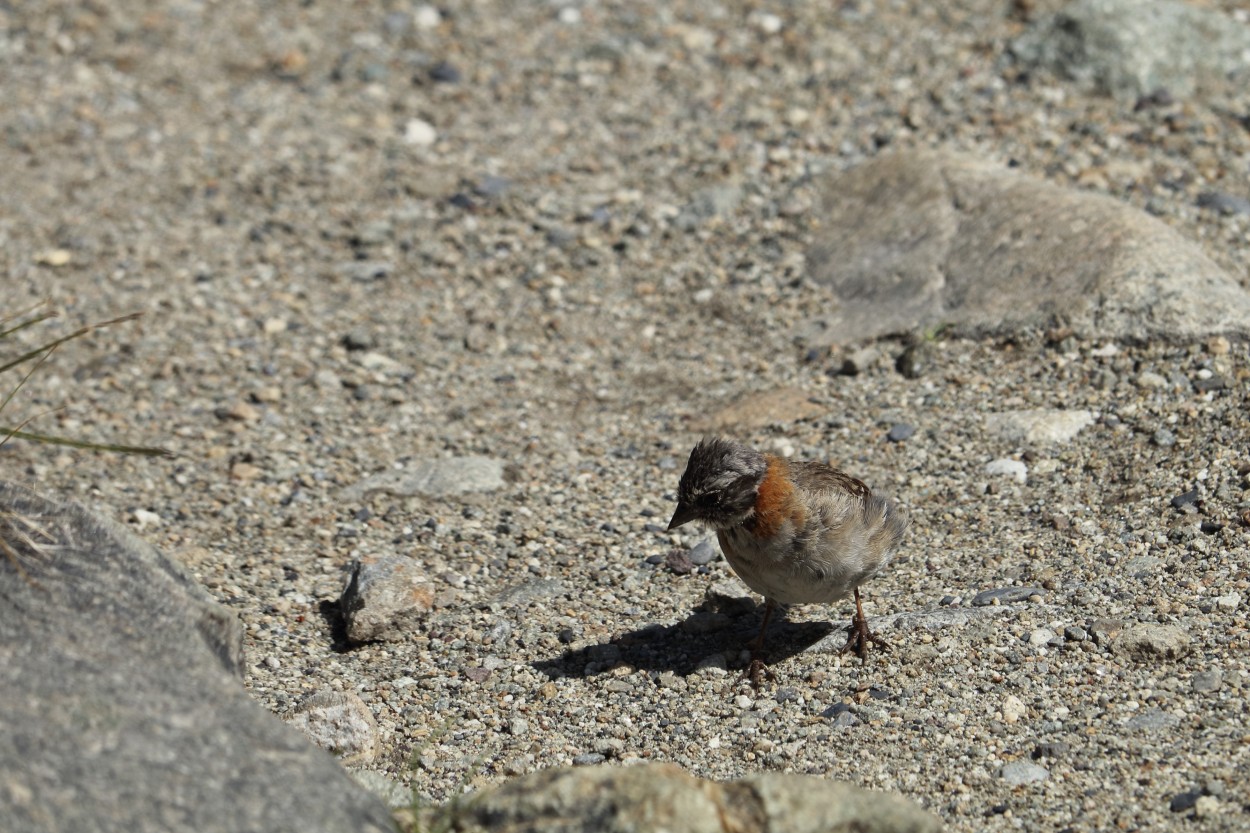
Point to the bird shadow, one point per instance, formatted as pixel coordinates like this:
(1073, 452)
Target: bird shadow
(683, 646)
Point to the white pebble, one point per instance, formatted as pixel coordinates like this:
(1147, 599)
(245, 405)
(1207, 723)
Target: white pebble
(1014, 469)
(1014, 709)
(420, 132)
(426, 17)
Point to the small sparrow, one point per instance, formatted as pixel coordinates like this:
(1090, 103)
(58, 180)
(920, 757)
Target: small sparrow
(794, 532)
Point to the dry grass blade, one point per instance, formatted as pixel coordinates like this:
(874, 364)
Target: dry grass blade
(39, 355)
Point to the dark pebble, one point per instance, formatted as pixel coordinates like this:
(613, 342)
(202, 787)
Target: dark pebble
(566, 636)
(947, 601)
(1211, 527)
(786, 694)
(654, 528)
(1225, 203)
(836, 709)
(445, 73)
(1187, 499)
(655, 559)
(1050, 749)
(1005, 595)
(1185, 801)
(1072, 633)
(1215, 382)
(900, 432)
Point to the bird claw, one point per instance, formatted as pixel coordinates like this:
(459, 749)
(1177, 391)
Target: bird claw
(756, 672)
(858, 637)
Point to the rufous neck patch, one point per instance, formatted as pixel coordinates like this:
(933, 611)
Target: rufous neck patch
(777, 501)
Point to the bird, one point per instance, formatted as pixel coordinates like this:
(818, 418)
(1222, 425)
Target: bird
(796, 532)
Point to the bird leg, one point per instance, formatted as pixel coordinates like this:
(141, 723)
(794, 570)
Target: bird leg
(858, 635)
(757, 670)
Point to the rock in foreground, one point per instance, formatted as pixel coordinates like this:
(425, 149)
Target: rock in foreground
(612, 799)
(123, 708)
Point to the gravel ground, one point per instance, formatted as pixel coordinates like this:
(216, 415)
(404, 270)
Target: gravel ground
(560, 236)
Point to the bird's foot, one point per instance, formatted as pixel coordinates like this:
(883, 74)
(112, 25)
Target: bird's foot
(858, 637)
(756, 672)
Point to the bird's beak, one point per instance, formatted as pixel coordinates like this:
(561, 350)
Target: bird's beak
(683, 515)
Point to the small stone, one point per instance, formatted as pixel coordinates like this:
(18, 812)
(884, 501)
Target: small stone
(704, 552)
(239, 412)
(420, 133)
(1187, 499)
(1014, 709)
(1073, 633)
(359, 338)
(385, 598)
(1050, 749)
(1146, 641)
(518, 726)
(1228, 602)
(1185, 801)
(477, 674)
(340, 722)
(1206, 681)
(1040, 637)
(1207, 806)
(54, 257)
(766, 22)
(1163, 438)
(1104, 631)
(1152, 720)
(1150, 380)
(1019, 773)
(1006, 595)
(1223, 202)
(677, 562)
(1015, 469)
(900, 432)
(426, 17)
(445, 72)
(588, 759)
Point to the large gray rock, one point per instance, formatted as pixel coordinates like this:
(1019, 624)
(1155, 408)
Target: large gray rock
(1129, 48)
(121, 707)
(920, 238)
(612, 799)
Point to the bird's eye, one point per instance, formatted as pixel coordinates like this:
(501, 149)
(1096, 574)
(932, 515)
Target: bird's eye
(709, 498)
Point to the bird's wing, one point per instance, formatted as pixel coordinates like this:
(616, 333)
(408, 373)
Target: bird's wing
(819, 477)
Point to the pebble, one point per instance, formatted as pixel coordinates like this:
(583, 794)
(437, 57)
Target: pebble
(1014, 469)
(1040, 637)
(1152, 720)
(339, 722)
(704, 552)
(420, 133)
(900, 432)
(1014, 709)
(1207, 681)
(1147, 641)
(1006, 595)
(1019, 773)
